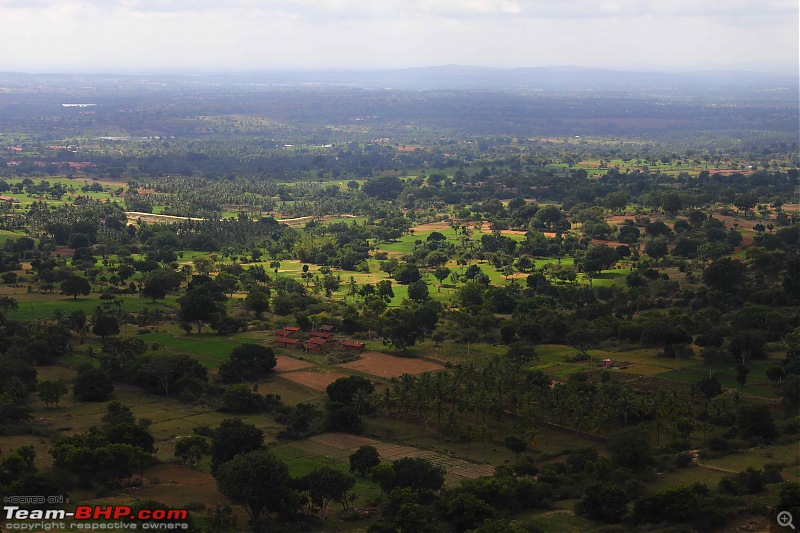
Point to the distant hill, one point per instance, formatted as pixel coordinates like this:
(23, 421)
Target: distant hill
(453, 77)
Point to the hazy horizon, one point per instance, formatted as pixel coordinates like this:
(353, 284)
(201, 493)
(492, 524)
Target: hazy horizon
(199, 36)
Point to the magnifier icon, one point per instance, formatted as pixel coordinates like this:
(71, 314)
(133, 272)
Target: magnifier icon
(785, 519)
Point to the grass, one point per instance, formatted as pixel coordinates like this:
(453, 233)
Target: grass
(39, 307)
(209, 348)
(758, 457)
(5, 235)
(558, 520)
(312, 456)
(686, 476)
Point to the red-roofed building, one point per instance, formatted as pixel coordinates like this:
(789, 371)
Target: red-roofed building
(320, 334)
(316, 344)
(327, 328)
(286, 342)
(288, 331)
(353, 346)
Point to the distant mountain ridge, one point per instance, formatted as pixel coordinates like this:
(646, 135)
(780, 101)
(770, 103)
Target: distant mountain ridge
(452, 77)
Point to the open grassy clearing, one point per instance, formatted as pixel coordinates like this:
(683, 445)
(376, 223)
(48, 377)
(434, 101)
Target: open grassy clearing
(788, 454)
(42, 306)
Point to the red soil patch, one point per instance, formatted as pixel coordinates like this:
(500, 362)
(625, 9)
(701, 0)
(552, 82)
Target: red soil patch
(386, 366)
(287, 364)
(313, 380)
(431, 226)
(612, 244)
(619, 219)
(487, 228)
(410, 148)
(63, 252)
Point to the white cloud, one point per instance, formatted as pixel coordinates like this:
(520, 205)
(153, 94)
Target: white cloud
(230, 34)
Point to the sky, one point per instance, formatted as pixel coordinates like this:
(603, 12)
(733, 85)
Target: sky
(120, 36)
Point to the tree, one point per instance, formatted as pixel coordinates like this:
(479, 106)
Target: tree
(516, 443)
(464, 510)
(790, 392)
(343, 418)
(364, 459)
(228, 283)
(606, 502)
(406, 273)
(104, 325)
(78, 240)
(709, 387)
(256, 480)
(725, 274)
(202, 305)
(231, 438)
(417, 474)
(383, 187)
(191, 449)
(75, 286)
(118, 414)
(599, 258)
(242, 399)
(745, 202)
(327, 484)
(404, 326)
(418, 291)
(470, 294)
(248, 361)
(657, 228)
(50, 392)
(160, 282)
(92, 385)
(384, 289)
(741, 374)
(383, 475)
(747, 345)
(344, 389)
(756, 421)
(657, 249)
(630, 448)
(441, 274)
(257, 300)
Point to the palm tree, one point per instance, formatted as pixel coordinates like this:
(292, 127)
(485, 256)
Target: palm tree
(625, 403)
(438, 388)
(362, 400)
(387, 400)
(450, 424)
(484, 435)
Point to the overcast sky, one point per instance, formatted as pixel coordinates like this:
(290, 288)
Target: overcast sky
(205, 35)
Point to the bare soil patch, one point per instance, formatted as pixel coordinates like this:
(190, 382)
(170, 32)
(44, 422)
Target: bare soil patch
(63, 252)
(619, 219)
(177, 486)
(387, 366)
(287, 364)
(317, 380)
(431, 226)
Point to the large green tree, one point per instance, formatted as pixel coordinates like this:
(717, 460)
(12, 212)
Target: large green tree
(231, 438)
(256, 480)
